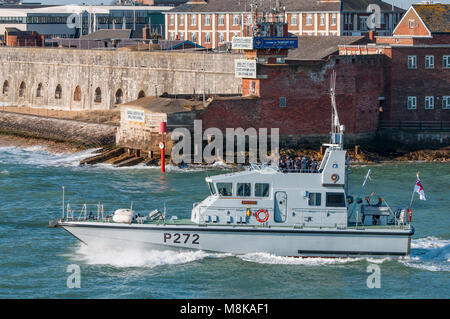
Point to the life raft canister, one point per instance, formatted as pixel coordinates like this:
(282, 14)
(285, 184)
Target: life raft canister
(262, 211)
(334, 178)
(410, 215)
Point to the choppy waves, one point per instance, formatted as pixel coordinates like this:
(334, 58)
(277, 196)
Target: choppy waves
(429, 253)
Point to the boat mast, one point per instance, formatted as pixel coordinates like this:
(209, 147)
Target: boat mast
(337, 130)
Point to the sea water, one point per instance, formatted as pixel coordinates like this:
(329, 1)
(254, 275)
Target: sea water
(36, 261)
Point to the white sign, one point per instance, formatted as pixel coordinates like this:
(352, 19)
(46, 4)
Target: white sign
(242, 43)
(135, 116)
(245, 69)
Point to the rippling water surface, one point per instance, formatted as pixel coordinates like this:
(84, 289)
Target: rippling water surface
(34, 258)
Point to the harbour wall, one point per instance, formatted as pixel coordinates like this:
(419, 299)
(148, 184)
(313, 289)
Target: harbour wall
(73, 79)
(68, 131)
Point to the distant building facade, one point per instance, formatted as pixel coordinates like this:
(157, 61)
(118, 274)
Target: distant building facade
(211, 23)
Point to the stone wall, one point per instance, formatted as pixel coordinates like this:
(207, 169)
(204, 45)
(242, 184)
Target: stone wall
(58, 129)
(73, 79)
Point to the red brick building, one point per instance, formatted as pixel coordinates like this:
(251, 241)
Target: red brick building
(211, 23)
(16, 37)
(418, 65)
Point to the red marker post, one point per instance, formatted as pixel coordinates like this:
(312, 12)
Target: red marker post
(162, 146)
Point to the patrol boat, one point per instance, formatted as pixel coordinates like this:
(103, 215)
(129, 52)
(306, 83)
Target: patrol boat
(263, 209)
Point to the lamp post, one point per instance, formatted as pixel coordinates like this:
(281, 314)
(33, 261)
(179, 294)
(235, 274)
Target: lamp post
(162, 146)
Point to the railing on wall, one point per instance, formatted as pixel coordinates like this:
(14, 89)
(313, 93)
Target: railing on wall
(415, 125)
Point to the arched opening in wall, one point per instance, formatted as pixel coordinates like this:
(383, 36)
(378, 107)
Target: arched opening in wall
(119, 96)
(22, 88)
(5, 87)
(98, 95)
(39, 90)
(77, 94)
(58, 92)
(141, 94)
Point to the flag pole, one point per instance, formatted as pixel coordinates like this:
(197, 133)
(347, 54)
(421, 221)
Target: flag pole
(414, 190)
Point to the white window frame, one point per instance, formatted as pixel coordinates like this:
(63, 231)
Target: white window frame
(446, 102)
(221, 37)
(194, 37)
(208, 37)
(412, 61)
(429, 102)
(236, 19)
(294, 19)
(193, 20)
(412, 103)
(181, 19)
(429, 62)
(446, 61)
(309, 19)
(322, 19)
(221, 19)
(171, 19)
(333, 19)
(207, 19)
(411, 24)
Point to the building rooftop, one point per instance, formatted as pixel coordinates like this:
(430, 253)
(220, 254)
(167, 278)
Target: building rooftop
(435, 16)
(291, 5)
(108, 34)
(164, 104)
(319, 48)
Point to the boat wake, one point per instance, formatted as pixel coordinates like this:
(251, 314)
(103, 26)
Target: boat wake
(135, 257)
(40, 156)
(429, 253)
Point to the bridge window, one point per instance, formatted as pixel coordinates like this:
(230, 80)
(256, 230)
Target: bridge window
(262, 190)
(58, 92)
(119, 96)
(22, 88)
(244, 189)
(335, 200)
(39, 90)
(315, 199)
(77, 94)
(98, 95)
(225, 189)
(212, 189)
(141, 94)
(5, 87)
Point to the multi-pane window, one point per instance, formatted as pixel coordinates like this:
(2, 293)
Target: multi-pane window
(411, 24)
(221, 37)
(333, 19)
(243, 189)
(181, 17)
(262, 190)
(446, 61)
(309, 19)
(221, 19)
(412, 102)
(294, 19)
(172, 19)
(363, 23)
(322, 19)
(429, 61)
(446, 102)
(282, 101)
(194, 37)
(193, 19)
(207, 37)
(208, 19)
(429, 102)
(236, 19)
(412, 61)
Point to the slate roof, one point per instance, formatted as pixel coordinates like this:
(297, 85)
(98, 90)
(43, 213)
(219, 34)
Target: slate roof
(108, 34)
(435, 16)
(291, 6)
(320, 47)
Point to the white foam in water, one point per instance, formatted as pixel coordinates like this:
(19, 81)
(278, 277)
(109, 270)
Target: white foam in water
(40, 156)
(429, 253)
(265, 258)
(135, 257)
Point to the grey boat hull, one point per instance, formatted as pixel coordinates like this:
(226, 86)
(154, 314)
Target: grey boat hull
(243, 240)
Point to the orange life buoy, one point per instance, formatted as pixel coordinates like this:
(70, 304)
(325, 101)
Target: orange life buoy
(266, 218)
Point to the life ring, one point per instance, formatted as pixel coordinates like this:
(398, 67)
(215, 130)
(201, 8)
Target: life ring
(265, 213)
(334, 178)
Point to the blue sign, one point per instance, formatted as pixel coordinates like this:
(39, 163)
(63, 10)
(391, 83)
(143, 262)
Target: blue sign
(275, 43)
